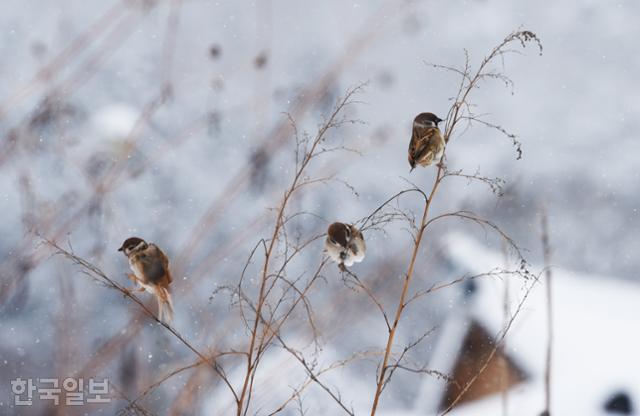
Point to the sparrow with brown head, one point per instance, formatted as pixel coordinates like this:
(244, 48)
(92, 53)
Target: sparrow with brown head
(345, 244)
(150, 268)
(427, 144)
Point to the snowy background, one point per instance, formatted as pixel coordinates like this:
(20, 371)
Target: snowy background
(146, 118)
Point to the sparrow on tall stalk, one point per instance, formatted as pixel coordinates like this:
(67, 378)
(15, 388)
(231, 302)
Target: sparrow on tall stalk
(427, 144)
(150, 268)
(345, 244)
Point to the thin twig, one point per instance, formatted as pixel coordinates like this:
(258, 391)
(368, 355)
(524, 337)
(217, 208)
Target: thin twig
(98, 275)
(546, 250)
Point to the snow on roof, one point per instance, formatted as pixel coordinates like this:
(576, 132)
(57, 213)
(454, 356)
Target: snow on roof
(596, 338)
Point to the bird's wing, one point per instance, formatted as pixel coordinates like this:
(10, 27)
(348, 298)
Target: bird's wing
(413, 145)
(426, 142)
(165, 264)
(155, 266)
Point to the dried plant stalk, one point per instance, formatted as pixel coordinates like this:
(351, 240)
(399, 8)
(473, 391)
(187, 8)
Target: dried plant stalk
(460, 110)
(306, 151)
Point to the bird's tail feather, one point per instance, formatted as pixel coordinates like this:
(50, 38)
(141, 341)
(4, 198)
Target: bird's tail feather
(165, 305)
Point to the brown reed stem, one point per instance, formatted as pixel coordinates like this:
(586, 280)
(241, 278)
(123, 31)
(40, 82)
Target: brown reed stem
(405, 288)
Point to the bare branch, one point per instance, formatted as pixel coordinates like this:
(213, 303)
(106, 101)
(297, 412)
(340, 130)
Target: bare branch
(95, 273)
(460, 111)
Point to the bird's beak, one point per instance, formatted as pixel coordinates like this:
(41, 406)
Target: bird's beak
(120, 249)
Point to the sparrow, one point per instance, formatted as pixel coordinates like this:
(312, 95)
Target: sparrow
(150, 268)
(427, 143)
(345, 244)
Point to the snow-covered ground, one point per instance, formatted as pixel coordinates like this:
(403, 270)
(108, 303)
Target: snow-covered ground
(234, 68)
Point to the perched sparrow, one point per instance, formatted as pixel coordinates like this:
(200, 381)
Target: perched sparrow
(150, 268)
(427, 143)
(345, 244)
